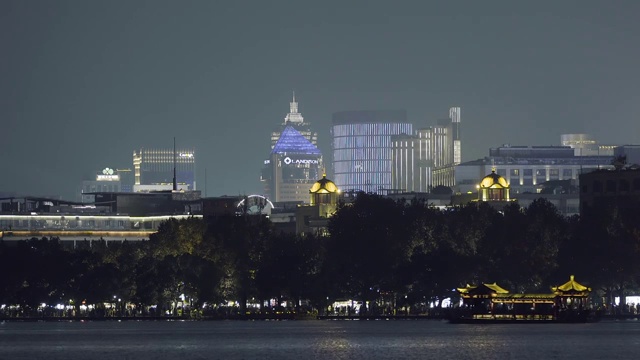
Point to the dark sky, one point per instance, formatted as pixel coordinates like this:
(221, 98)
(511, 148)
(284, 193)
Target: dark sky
(84, 83)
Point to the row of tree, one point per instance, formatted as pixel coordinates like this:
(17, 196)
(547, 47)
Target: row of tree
(406, 251)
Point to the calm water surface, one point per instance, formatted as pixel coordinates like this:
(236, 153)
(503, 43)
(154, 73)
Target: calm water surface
(421, 339)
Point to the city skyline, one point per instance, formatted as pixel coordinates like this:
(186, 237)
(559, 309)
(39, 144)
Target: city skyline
(85, 83)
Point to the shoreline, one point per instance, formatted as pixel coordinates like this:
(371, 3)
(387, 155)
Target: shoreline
(253, 317)
(269, 317)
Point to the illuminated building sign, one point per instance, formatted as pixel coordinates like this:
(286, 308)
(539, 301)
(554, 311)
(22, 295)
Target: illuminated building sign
(288, 161)
(186, 155)
(107, 175)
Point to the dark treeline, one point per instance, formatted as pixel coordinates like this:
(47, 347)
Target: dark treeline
(402, 255)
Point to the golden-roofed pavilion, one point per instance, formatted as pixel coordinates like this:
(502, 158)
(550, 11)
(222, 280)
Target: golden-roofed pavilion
(493, 187)
(571, 288)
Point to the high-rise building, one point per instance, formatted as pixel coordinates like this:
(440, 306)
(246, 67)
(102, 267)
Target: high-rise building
(156, 167)
(427, 159)
(443, 154)
(454, 116)
(292, 167)
(294, 118)
(404, 174)
(361, 142)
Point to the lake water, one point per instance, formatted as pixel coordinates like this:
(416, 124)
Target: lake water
(421, 339)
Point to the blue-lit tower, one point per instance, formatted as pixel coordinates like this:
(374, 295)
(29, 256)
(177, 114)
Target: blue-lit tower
(292, 168)
(361, 142)
(294, 118)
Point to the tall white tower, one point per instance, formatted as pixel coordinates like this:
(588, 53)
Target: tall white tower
(454, 115)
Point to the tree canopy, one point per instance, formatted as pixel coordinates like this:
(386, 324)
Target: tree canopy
(377, 248)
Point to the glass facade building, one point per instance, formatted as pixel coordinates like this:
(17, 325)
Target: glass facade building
(295, 162)
(293, 167)
(454, 115)
(428, 158)
(361, 143)
(155, 167)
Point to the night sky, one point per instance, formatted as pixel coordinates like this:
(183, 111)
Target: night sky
(84, 83)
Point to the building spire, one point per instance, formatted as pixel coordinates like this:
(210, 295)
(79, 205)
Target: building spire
(293, 116)
(293, 105)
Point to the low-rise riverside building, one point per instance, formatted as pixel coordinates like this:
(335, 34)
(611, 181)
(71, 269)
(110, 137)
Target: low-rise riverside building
(116, 217)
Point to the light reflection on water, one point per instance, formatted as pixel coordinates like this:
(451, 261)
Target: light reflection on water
(317, 340)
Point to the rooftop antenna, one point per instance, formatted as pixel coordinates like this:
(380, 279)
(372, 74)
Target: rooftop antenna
(175, 183)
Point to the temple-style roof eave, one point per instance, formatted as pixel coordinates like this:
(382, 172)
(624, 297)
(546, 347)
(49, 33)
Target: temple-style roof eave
(466, 289)
(495, 287)
(571, 286)
(471, 290)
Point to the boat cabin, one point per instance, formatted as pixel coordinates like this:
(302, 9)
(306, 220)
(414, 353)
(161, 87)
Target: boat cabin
(566, 302)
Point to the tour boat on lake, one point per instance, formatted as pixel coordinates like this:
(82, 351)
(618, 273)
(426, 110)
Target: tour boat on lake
(490, 303)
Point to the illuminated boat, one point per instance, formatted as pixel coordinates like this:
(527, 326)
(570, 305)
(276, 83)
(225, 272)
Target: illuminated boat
(490, 303)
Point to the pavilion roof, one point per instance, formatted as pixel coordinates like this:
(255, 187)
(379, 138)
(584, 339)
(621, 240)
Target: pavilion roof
(571, 286)
(482, 289)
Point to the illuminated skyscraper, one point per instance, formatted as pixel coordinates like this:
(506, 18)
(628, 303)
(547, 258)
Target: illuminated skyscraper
(361, 142)
(293, 167)
(454, 116)
(403, 172)
(428, 158)
(295, 119)
(295, 162)
(443, 152)
(155, 167)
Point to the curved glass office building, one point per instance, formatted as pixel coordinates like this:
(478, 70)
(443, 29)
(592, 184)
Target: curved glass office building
(361, 142)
